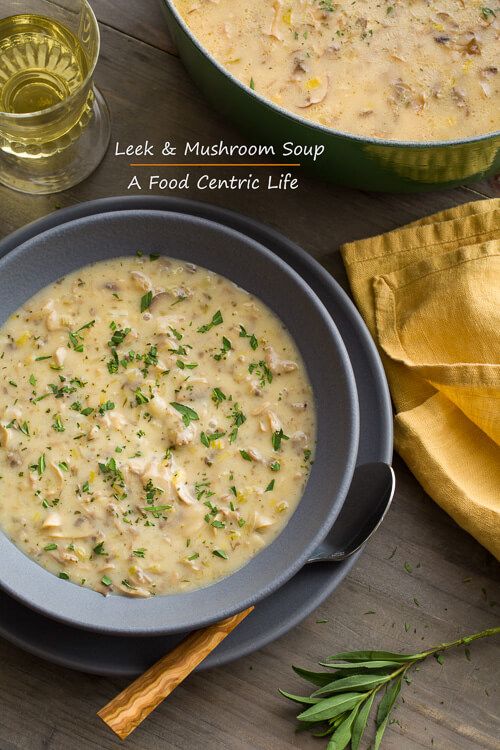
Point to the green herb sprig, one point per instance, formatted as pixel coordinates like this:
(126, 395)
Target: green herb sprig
(341, 705)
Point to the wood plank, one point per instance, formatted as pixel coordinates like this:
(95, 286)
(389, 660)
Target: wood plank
(455, 581)
(142, 20)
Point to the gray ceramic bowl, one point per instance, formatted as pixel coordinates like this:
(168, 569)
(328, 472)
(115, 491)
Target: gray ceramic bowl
(59, 251)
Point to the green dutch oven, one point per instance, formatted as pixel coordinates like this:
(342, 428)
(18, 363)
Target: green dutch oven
(354, 161)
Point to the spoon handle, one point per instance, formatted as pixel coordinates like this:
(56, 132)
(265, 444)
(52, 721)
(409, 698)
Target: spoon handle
(124, 713)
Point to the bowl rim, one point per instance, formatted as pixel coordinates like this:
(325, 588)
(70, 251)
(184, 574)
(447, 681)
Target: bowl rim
(316, 126)
(50, 588)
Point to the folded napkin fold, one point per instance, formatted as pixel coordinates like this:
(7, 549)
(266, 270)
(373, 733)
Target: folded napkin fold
(430, 295)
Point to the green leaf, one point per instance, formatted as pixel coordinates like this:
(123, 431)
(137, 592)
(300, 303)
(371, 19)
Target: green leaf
(299, 698)
(387, 702)
(380, 733)
(353, 682)
(216, 321)
(220, 553)
(146, 300)
(357, 656)
(342, 735)
(360, 665)
(188, 415)
(316, 678)
(361, 721)
(329, 708)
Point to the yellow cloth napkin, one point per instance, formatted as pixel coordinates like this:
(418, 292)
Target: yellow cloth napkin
(430, 295)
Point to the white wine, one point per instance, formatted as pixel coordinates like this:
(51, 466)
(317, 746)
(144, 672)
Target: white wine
(54, 122)
(41, 63)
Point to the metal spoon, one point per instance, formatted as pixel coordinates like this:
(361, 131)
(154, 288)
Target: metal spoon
(367, 502)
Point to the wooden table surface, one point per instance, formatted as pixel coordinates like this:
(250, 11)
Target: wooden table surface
(454, 587)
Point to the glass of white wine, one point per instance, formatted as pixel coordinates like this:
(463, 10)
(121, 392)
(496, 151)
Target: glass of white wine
(54, 123)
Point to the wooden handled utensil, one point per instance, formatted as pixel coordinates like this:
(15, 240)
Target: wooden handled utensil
(125, 712)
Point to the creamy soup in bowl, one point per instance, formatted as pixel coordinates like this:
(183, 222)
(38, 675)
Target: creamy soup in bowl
(157, 426)
(115, 460)
(417, 72)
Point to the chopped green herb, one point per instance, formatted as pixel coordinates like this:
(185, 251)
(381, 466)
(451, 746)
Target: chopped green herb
(156, 510)
(220, 553)
(216, 321)
(210, 438)
(76, 339)
(146, 300)
(188, 415)
(225, 348)
(262, 371)
(139, 552)
(252, 338)
(40, 466)
(25, 428)
(50, 547)
(176, 333)
(107, 406)
(118, 336)
(58, 425)
(185, 366)
(270, 486)
(238, 418)
(218, 396)
(64, 576)
(99, 549)
(140, 398)
(275, 466)
(245, 455)
(106, 581)
(277, 437)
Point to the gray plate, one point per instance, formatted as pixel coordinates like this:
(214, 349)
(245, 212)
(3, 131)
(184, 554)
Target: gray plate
(285, 608)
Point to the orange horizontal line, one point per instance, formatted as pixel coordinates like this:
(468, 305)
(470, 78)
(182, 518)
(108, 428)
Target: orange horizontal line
(216, 164)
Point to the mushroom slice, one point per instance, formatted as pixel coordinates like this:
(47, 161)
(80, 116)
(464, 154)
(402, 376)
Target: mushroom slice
(114, 419)
(315, 92)
(261, 522)
(141, 281)
(53, 520)
(158, 299)
(60, 355)
(93, 432)
(184, 492)
(58, 474)
(274, 31)
(276, 365)
(273, 420)
(135, 591)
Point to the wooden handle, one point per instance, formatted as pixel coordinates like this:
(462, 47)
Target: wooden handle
(125, 712)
